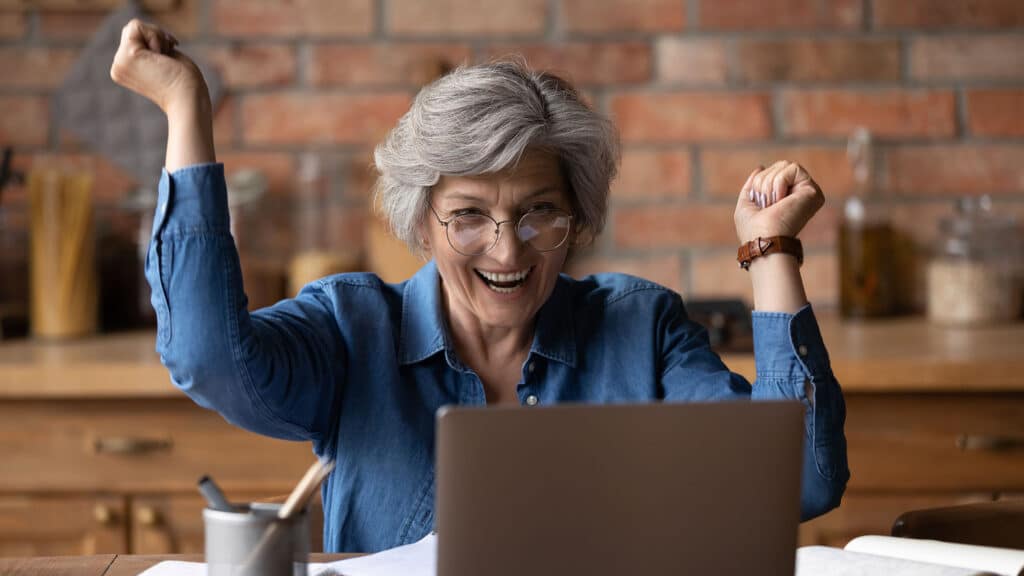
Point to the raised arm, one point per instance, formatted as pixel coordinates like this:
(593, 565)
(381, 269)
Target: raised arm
(276, 371)
(149, 63)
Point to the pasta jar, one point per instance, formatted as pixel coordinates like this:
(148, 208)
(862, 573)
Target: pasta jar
(975, 277)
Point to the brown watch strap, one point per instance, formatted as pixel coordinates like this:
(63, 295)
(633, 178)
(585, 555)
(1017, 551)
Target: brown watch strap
(764, 246)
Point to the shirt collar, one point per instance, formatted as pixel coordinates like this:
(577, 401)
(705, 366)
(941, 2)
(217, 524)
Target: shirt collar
(425, 333)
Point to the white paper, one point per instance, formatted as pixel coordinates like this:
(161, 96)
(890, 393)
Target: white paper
(825, 561)
(1004, 561)
(416, 559)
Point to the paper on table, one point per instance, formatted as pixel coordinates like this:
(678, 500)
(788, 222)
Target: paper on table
(995, 560)
(416, 559)
(826, 561)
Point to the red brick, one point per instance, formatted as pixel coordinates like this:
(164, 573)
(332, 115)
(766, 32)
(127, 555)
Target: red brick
(967, 57)
(716, 275)
(694, 116)
(887, 113)
(661, 226)
(254, 65)
(995, 112)
(278, 168)
(294, 18)
(831, 60)
(12, 25)
(666, 270)
(35, 67)
(724, 170)
(931, 14)
(591, 16)
(464, 17)
(69, 24)
(25, 120)
(955, 169)
(224, 122)
(183, 21)
(653, 174)
(780, 14)
(383, 63)
(292, 118)
(692, 61)
(586, 63)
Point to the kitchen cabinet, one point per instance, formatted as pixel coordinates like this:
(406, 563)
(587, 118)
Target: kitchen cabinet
(101, 453)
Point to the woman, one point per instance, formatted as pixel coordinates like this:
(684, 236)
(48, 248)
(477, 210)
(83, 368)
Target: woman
(495, 174)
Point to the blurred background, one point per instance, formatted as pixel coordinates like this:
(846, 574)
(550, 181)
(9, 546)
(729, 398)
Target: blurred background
(907, 112)
(702, 91)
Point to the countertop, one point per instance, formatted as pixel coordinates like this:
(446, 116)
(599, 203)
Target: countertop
(879, 356)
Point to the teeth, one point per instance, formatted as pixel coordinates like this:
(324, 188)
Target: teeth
(514, 277)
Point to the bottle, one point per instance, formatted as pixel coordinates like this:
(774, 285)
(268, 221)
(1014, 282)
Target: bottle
(974, 277)
(867, 278)
(317, 253)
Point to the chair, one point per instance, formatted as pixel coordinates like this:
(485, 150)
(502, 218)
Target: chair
(999, 524)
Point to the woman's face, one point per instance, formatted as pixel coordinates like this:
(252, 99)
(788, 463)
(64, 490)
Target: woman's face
(469, 282)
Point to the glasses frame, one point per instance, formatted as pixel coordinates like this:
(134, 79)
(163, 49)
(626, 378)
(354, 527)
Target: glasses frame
(497, 229)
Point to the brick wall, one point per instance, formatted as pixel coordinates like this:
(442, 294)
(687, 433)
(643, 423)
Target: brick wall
(702, 91)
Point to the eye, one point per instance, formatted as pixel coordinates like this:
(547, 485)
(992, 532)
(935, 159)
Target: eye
(464, 211)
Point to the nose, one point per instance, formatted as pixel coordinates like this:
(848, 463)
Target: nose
(506, 250)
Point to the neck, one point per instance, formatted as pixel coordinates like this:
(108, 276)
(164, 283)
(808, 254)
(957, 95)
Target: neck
(480, 345)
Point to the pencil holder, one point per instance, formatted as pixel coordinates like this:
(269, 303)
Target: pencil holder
(254, 542)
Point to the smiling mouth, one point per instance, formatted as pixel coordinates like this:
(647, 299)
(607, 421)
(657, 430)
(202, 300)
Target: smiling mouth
(504, 283)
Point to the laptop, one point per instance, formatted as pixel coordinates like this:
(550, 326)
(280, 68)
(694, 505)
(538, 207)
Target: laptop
(616, 490)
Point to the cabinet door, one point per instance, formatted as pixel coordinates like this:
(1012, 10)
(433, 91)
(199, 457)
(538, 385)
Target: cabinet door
(173, 524)
(863, 514)
(58, 526)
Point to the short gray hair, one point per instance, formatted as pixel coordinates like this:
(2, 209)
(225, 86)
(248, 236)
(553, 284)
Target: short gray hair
(481, 120)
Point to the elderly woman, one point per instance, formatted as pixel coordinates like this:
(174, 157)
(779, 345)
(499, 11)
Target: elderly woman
(495, 174)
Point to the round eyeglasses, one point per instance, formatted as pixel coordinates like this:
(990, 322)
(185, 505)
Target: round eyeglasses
(474, 233)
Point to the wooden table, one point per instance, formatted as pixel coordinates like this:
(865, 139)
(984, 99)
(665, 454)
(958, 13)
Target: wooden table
(108, 564)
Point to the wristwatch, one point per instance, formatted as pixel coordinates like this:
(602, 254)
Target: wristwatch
(764, 246)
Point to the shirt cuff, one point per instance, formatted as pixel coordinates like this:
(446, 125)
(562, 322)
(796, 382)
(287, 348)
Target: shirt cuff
(192, 199)
(789, 345)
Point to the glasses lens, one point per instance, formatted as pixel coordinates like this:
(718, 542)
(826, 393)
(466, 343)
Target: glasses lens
(544, 229)
(471, 234)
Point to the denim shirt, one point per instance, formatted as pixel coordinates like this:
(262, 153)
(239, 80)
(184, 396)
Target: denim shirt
(359, 367)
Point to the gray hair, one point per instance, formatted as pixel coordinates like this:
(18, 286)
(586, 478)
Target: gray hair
(481, 120)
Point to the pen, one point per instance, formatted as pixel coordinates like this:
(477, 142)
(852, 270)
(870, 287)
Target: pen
(213, 495)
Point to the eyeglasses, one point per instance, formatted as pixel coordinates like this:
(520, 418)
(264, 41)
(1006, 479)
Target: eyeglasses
(473, 233)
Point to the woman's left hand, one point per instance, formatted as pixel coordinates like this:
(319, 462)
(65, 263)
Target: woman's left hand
(776, 201)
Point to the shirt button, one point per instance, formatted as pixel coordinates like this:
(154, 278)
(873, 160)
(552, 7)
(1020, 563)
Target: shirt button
(801, 350)
(530, 367)
(532, 400)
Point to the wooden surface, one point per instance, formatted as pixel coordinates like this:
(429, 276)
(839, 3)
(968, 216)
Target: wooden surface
(108, 564)
(899, 355)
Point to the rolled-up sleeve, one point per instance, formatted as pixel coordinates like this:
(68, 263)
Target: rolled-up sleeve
(275, 371)
(792, 363)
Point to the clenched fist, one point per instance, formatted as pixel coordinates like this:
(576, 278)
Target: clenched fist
(148, 63)
(776, 201)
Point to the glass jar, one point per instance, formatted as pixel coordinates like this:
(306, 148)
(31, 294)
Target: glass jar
(974, 277)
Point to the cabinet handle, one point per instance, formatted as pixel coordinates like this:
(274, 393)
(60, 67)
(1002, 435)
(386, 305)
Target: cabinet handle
(147, 516)
(131, 446)
(103, 514)
(986, 443)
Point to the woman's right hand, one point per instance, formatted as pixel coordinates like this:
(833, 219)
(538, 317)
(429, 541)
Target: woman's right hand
(148, 63)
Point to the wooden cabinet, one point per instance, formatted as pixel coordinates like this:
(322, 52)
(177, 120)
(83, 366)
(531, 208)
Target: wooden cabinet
(57, 525)
(87, 476)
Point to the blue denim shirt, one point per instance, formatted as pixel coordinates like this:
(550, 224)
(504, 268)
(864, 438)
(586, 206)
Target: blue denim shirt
(358, 367)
